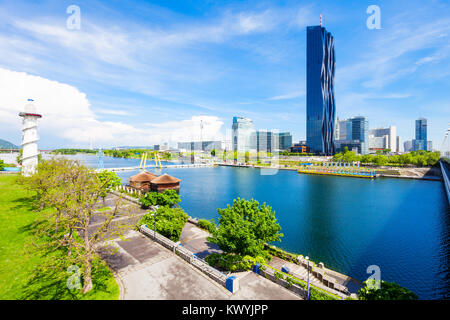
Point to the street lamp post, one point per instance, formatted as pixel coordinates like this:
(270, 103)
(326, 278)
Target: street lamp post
(307, 292)
(154, 226)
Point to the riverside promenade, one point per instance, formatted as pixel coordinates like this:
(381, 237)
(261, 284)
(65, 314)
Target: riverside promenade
(145, 269)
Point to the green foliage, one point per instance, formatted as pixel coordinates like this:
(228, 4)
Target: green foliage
(213, 152)
(168, 222)
(277, 252)
(209, 226)
(73, 151)
(380, 160)
(387, 291)
(418, 158)
(2, 165)
(168, 198)
(245, 227)
(27, 265)
(109, 180)
(233, 262)
(279, 275)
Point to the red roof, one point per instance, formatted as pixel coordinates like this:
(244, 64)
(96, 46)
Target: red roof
(165, 179)
(143, 176)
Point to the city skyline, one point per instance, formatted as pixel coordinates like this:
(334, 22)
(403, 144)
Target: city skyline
(126, 76)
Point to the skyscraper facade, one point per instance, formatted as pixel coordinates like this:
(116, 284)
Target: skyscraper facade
(320, 102)
(353, 133)
(268, 141)
(420, 143)
(242, 130)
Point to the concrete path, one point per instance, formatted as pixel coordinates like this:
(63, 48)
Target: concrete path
(194, 239)
(147, 270)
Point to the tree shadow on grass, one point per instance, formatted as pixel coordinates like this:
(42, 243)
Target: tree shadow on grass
(25, 203)
(50, 282)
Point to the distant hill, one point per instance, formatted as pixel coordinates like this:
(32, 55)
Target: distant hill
(7, 145)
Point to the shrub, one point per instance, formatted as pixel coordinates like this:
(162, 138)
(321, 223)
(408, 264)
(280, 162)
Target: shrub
(169, 222)
(279, 275)
(209, 226)
(387, 291)
(233, 262)
(168, 198)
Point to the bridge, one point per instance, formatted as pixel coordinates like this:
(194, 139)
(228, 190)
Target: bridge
(192, 165)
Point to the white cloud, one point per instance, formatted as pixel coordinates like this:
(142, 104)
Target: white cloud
(290, 95)
(67, 115)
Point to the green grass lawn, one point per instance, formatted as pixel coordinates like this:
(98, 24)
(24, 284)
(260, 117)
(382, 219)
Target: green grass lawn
(24, 271)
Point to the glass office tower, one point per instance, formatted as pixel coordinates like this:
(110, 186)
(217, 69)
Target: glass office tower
(320, 103)
(420, 143)
(242, 130)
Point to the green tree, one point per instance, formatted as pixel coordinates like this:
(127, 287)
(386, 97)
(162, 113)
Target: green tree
(387, 291)
(367, 158)
(74, 191)
(380, 160)
(247, 157)
(245, 227)
(213, 152)
(2, 165)
(167, 198)
(110, 181)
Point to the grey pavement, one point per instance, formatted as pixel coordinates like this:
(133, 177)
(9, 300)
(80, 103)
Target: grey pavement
(147, 270)
(194, 239)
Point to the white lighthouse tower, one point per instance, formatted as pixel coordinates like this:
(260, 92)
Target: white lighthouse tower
(29, 139)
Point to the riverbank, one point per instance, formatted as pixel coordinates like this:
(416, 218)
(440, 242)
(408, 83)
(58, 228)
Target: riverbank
(430, 174)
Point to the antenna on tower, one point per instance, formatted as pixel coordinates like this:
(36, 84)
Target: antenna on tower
(320, 19)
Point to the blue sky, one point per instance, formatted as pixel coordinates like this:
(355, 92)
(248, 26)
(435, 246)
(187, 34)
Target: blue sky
(138, 71)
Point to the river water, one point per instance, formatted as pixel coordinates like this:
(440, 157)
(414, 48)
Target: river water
(348, 224)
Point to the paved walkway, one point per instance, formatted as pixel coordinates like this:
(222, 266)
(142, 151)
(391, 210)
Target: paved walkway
(194, 239)
(147, 270)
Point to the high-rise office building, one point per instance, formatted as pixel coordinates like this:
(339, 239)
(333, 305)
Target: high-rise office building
(408, 146)
(353, 134)
(242, 130)
(320, 102)
(268, 141)
(283, 140)
(420, 143)
(383, 138)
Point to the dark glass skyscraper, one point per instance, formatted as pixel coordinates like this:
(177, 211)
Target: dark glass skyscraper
(320, 104)
(420, 143)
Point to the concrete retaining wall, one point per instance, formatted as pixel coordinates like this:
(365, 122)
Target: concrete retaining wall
(445, 175)
(269, 273)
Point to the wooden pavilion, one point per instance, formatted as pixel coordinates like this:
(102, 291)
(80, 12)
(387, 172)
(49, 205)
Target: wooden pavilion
(141, 181)
(164, 182)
